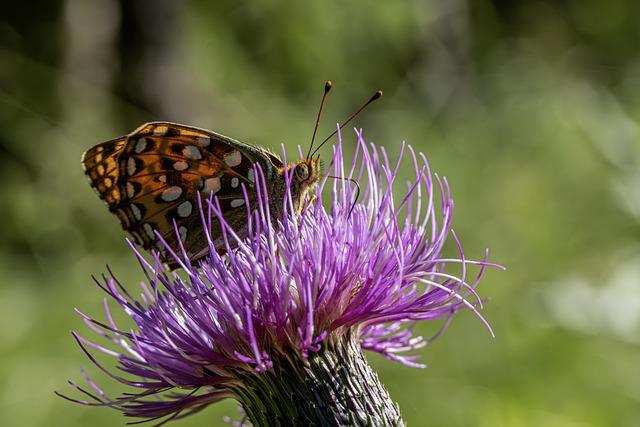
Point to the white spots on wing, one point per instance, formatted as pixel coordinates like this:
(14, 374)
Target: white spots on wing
(180, 166)
(234, 182)
(100, 169)
(98, 158)
(211, 185)
(191, 152)
(233, 159)
(162, 250)
(203, 141)
(123, 218)
(131, 166)
(184, 209)
(107, 182)
(149, 230)
(183, 232)
(131, 191)
(160, 130)
(99, 149)
(237, 202)
(250, 176)
(171, 193)
(137, 213)
(141, 145)
(162, 178)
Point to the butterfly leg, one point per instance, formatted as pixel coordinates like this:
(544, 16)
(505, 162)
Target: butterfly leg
(308, 203)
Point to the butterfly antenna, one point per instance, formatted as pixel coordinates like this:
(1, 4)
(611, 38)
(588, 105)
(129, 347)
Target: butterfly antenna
(375, 96)
(353, 205)
(327, 88)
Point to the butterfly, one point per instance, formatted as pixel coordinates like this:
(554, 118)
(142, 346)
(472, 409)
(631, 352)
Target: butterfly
(150, 179)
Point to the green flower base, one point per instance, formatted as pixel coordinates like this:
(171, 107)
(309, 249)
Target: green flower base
(332, 387)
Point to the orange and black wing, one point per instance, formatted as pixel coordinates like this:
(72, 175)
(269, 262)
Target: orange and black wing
(150, 180)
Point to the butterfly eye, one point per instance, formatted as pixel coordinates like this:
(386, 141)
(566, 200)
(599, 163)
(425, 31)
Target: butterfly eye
(302, 171)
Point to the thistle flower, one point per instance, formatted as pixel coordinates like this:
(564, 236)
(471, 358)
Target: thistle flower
(280, 321)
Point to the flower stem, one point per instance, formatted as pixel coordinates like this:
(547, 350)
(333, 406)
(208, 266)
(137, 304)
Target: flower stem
(334, 387)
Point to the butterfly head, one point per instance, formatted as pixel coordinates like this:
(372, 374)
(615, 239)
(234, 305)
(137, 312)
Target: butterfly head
(306, 175)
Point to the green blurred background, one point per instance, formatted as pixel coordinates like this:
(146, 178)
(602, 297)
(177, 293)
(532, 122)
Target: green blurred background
(530, 108)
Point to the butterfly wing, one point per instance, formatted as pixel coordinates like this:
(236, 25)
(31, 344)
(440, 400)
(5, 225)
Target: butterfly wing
(101, 167)
(160, 168)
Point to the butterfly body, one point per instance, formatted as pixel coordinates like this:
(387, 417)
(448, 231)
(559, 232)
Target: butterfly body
(150, 179)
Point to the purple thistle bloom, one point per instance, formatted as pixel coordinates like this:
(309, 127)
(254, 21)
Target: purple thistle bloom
(337, 279)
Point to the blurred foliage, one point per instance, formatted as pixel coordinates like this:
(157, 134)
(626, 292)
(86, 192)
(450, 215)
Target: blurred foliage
(530, 108)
